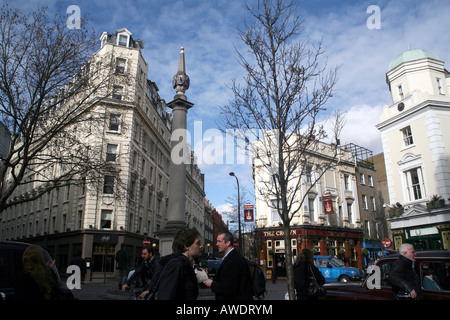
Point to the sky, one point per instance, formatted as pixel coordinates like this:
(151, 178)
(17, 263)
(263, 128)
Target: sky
(207, 29)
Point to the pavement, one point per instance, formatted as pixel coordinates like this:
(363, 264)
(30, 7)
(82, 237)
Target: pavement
(109, 290)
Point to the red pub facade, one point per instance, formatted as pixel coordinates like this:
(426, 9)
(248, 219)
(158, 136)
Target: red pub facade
(344, 243)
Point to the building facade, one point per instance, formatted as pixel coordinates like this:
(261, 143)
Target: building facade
(136, 143)
(416, 142)
(329, 220)
(370, 200)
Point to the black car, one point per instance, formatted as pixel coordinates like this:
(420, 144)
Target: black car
(11, 265)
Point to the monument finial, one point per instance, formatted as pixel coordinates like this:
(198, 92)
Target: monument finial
(180, 81)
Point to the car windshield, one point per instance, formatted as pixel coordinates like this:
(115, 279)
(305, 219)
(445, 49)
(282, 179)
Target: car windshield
(337, 263)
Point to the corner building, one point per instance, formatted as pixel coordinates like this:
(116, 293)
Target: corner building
(415, 133)
(136, 143)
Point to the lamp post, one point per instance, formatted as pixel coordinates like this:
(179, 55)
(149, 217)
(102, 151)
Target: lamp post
(239, 210)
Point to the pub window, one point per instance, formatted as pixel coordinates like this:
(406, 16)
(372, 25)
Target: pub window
(349, 213)
(347, 182)
(311, 209)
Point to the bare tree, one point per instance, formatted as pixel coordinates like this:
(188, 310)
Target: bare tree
(286, 87)
(50, 89)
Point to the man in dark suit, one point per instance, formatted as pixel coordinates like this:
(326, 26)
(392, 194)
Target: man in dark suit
(232, 280)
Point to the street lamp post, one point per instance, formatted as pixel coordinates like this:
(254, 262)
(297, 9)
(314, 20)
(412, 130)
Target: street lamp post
(239, 210)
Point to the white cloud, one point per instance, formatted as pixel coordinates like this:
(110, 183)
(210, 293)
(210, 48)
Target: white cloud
(207, 29)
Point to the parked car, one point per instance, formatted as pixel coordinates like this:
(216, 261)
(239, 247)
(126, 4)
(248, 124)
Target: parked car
(11, 265)
(334, 270)
(210, 266)
(213, 265)
(377, 287)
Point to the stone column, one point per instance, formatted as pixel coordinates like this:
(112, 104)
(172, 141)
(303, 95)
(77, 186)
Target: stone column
(179, 157)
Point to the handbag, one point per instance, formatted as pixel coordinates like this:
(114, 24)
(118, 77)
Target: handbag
(313, 288)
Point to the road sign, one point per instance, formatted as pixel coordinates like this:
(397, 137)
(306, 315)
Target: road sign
(235, 244)
(386, 242)
(146, 242)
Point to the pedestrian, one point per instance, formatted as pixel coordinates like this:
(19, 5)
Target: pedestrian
(233, 279)
(177, 279)
(274, 275)
(122, 265)
(37, 281)
(403, 278)
(77, 260)
(302, 267)
(153, 269)
(144, 270)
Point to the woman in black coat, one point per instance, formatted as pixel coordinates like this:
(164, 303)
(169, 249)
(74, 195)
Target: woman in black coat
(301, 271)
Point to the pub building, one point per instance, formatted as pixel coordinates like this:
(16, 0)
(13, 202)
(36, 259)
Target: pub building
(343, 243)
(328, 220)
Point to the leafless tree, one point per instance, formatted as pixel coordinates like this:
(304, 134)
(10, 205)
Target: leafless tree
(286, 86)
(50, 89)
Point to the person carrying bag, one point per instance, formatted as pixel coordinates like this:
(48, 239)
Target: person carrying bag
(308, 279)
(314, 290)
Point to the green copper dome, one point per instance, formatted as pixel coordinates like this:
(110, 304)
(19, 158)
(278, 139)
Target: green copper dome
(411, 55)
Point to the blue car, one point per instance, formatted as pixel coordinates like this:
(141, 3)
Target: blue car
(334, 270)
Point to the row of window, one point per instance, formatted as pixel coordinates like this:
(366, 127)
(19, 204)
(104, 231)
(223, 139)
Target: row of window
(366, 201)
(362, 179)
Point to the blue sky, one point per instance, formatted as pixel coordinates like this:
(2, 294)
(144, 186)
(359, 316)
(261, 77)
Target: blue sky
(207, 30)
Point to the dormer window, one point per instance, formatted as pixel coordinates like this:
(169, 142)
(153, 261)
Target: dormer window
(122, 40)
(104, 39)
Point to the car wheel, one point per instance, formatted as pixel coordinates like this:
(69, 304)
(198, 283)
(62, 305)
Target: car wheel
(344, 279)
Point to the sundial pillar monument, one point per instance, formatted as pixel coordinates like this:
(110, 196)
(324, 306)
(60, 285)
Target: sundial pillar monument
(180, 156)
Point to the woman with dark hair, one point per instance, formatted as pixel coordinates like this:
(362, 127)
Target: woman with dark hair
(301, 272)
(178, 280)
(37, 281)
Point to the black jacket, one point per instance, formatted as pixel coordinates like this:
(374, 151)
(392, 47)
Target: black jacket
(177, 279)
(145, 270)
(404, 279)
(233, 279)
(301, 271)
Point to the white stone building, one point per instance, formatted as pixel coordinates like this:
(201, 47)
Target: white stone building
(415, 133)
(135, 141)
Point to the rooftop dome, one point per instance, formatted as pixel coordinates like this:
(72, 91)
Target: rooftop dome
(410, 55)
